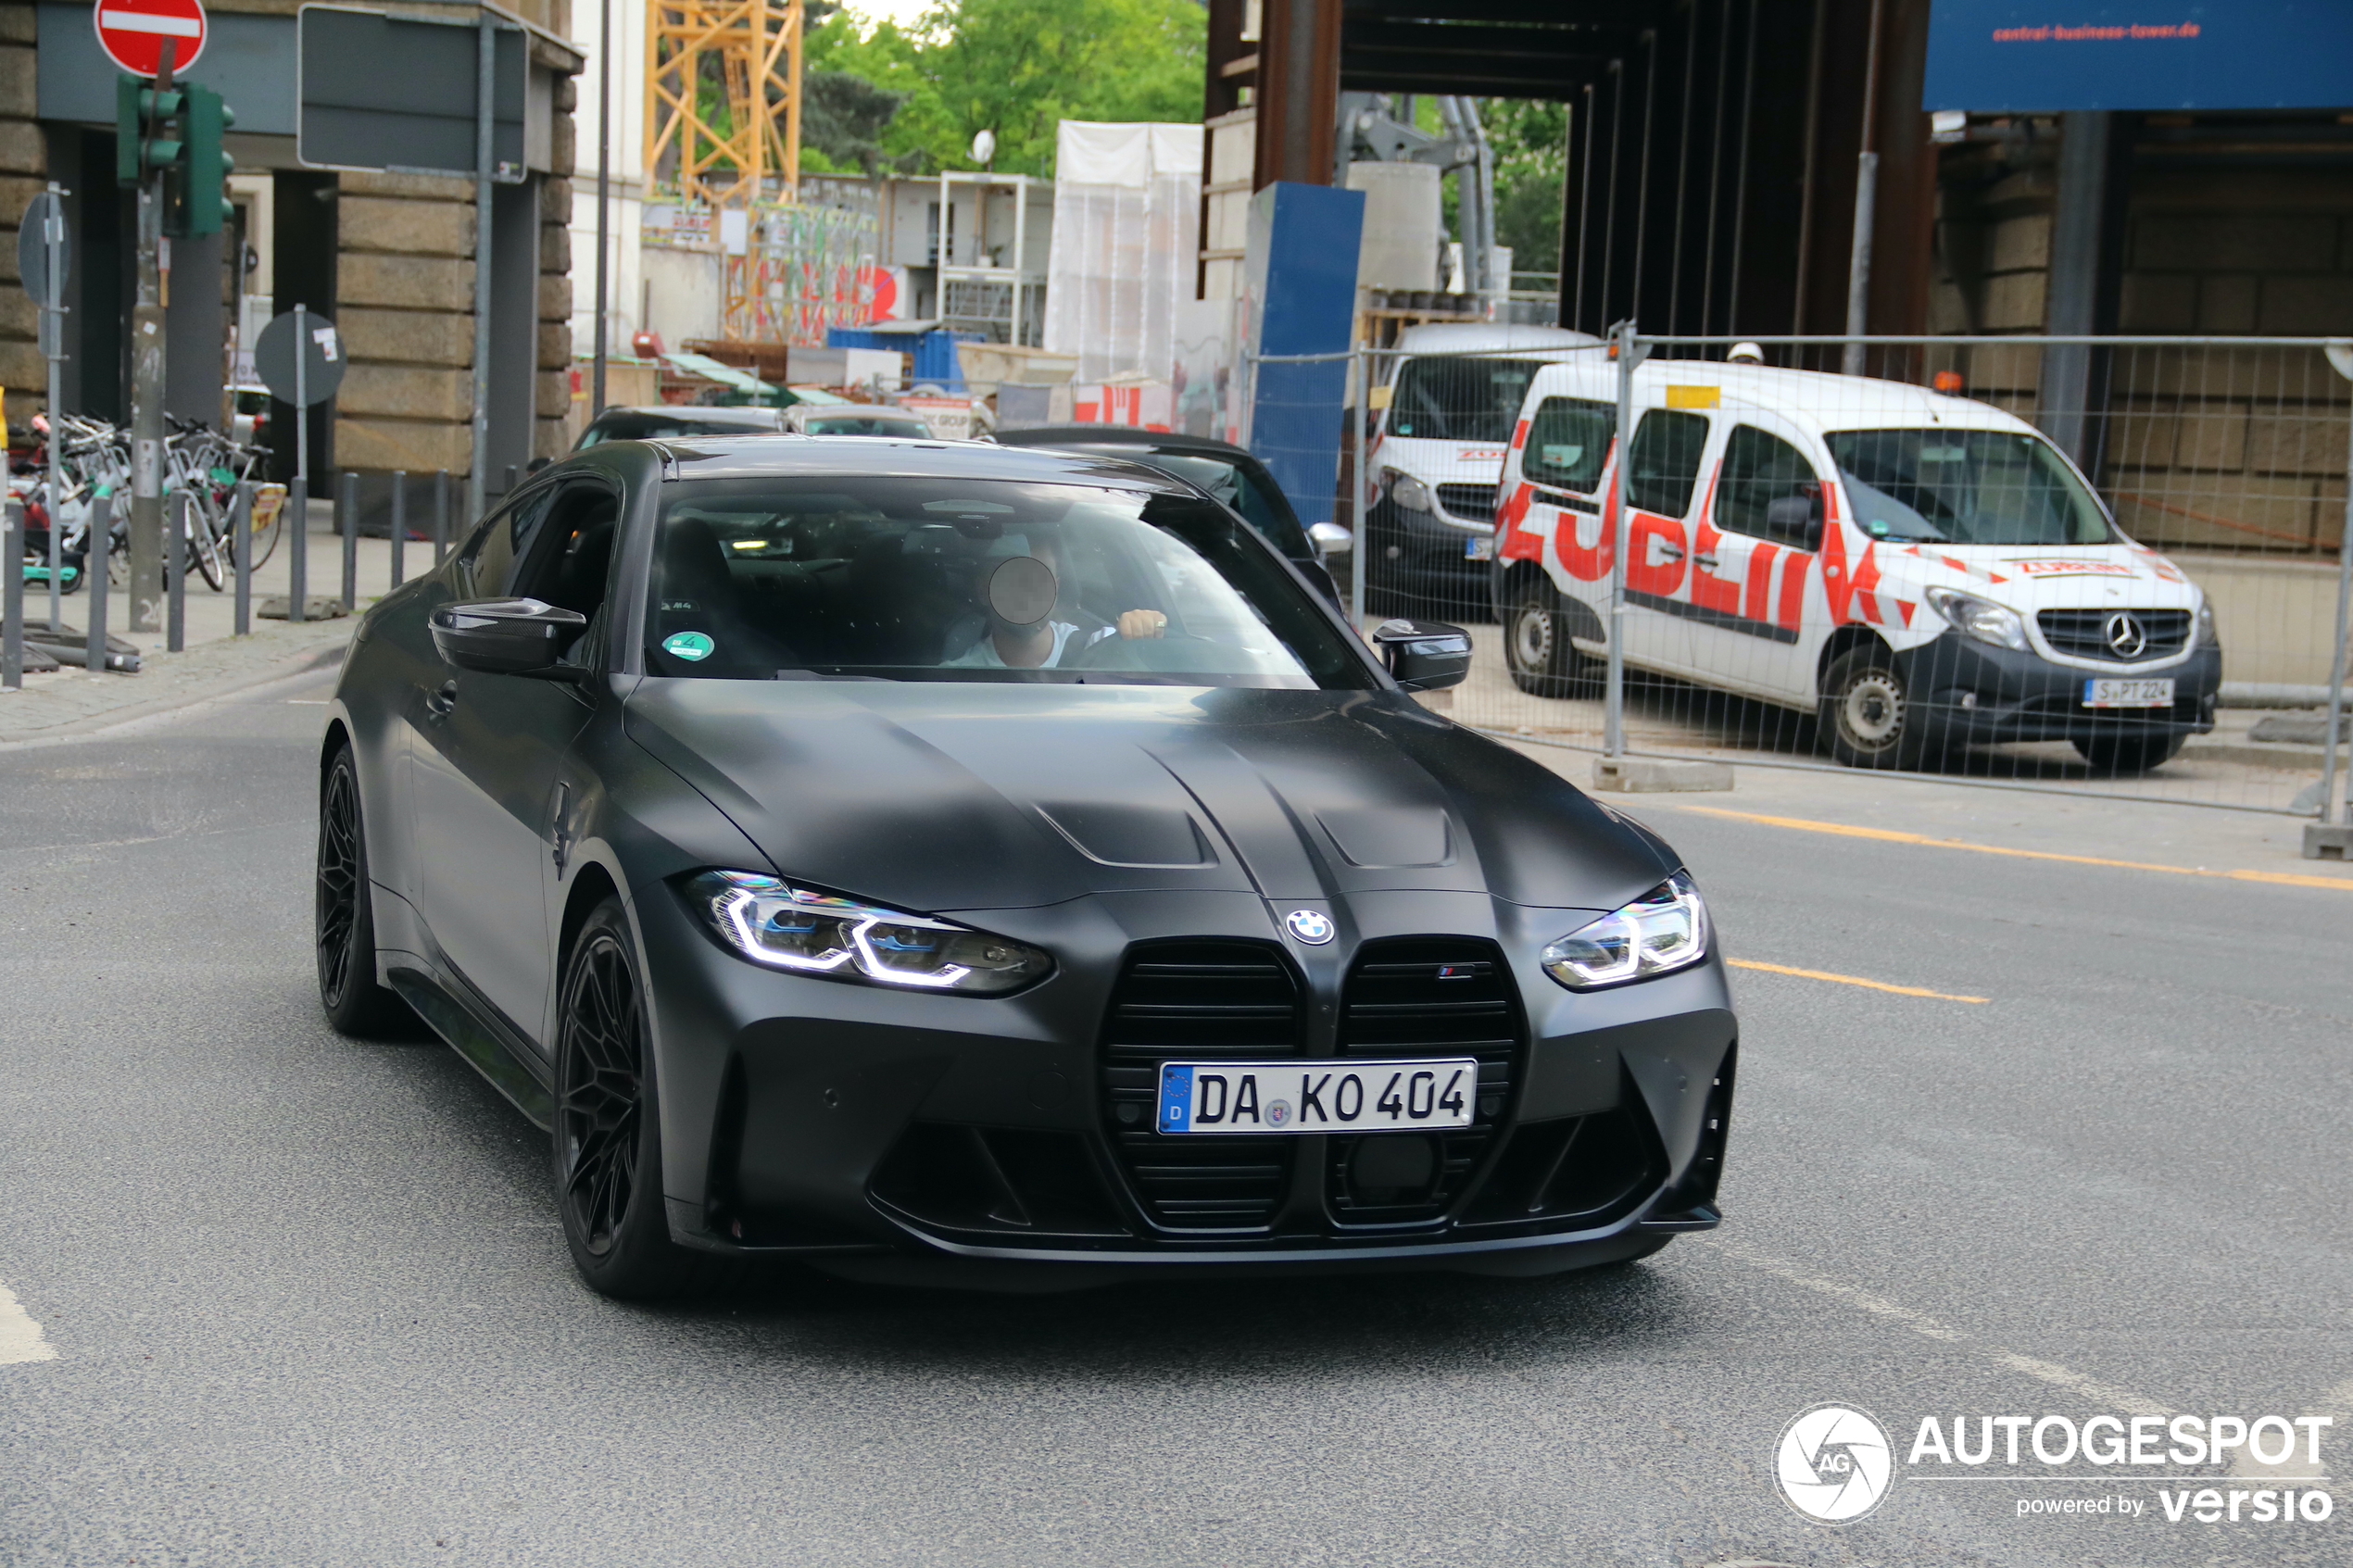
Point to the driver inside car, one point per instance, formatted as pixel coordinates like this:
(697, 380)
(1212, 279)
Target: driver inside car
(1020, 594)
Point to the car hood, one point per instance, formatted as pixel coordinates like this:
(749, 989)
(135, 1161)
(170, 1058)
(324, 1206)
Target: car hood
(2029, 579)
(942, 796)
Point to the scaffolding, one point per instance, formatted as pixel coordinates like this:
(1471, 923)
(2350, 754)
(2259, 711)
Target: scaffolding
(723, 104)
(806, 270)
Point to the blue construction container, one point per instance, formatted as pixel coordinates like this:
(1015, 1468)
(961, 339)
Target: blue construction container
(935, 351)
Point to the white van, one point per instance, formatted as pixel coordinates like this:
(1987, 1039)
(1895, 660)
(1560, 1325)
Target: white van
(1437, 451)
(1919, 570)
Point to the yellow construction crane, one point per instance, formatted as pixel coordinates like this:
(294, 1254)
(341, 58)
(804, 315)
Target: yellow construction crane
(729, 151)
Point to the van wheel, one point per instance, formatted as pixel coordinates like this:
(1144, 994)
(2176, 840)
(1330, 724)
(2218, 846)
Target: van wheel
(1536, 645)
(2130, 756)
(1866, 715)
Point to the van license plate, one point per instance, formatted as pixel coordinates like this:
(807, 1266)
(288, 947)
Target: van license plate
(1480, 547)
(1316, 1097)
(2127, 694)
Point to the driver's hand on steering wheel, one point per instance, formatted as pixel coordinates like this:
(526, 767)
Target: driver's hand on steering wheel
(1142, 623)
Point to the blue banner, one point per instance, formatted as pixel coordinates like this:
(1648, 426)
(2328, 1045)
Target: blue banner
(2041, 56)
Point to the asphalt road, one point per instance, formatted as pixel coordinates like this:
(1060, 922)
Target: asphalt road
(303, 1301)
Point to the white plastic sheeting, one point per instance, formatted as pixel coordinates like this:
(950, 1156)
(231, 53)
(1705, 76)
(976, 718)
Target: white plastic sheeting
(1127, 238)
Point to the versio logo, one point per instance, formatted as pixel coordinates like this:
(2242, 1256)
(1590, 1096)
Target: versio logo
(1834, 1464)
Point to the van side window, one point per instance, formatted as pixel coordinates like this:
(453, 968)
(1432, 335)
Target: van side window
(1666, 452)
(1770, 491)
(1567, 442)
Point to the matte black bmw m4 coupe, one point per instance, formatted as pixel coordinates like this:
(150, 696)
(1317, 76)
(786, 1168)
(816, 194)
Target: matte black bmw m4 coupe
(954, 862)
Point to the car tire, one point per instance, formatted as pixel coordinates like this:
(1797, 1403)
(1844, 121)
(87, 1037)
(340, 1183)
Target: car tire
(1865, 713)
(2130, 756)
(608, 1125)
(1536, 647)
(344, 914)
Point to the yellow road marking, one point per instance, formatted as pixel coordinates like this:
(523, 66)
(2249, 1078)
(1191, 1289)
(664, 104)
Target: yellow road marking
(1892, 835)
(1852, 980)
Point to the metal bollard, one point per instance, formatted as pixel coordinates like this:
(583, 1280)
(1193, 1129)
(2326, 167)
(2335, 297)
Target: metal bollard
(12, 600)
(440, 515)
(175, 574)
(241, 553)
(101, 539)
(399, 522)
(347, 521)
(297, 524)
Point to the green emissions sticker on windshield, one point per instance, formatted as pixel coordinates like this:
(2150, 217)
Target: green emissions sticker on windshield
(687, 644)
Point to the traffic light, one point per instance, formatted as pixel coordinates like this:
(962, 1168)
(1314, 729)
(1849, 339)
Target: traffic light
(175, 132)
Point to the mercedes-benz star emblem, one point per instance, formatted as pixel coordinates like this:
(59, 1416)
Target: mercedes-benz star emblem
(1311, 926)
(2127, 638)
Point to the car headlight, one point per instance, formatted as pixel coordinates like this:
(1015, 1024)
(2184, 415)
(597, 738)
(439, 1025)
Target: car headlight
(772, 922)
(1981, 620)
(1406, 491)
(2206, 636)
(1664, 930)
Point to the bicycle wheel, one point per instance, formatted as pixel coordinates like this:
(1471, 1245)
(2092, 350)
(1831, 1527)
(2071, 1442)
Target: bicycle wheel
(204, 543)
(267, 533)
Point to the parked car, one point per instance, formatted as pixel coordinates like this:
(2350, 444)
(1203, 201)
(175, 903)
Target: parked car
(1921, 570)
(937, 860)
(665, 422)
(1225, 472)
(1436, 452)
(855, 418)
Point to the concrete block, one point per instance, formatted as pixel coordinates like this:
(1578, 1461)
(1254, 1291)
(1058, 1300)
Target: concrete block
(407, 283)
(555, 200)
(408, 228)
(2014, 302)
(2296, 443)
(2171, 511)
(2213, 436)
(417, 446)
(567, 95)
(408, 337)
(555, 346)
(2021, 243)
(22, 365)
(2307, 307)
(565, 147)
(2157, 301)
(551, 394)
(18, 24)
(435, 187)
(405, 392)
(2323, 841)
(1999, 367)
(2215, 242)
(2226, 303)
(1658, 775)
(16, 85)
(555, 297)
(555, 247)
(21, 150)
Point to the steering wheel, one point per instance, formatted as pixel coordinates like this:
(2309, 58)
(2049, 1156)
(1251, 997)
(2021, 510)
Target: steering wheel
(1115, 652)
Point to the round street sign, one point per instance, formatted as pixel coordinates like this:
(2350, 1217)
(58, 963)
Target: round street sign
(32, 245)
(133, 32)
(273, 356)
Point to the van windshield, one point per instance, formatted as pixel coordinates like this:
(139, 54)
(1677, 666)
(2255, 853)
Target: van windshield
(1459, 397)
(1966, 487)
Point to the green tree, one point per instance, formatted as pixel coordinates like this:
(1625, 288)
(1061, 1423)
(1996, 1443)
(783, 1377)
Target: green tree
(1529, 138)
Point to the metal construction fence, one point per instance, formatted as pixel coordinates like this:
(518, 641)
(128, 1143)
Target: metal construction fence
(2108, 566)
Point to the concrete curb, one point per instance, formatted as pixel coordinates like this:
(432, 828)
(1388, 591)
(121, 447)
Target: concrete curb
(74, 703)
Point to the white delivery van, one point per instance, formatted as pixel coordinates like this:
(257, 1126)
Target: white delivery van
(1919, 570)
(1437, 450)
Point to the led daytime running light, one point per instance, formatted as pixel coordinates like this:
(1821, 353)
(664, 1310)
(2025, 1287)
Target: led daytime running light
(1663, 930)
(771, 923)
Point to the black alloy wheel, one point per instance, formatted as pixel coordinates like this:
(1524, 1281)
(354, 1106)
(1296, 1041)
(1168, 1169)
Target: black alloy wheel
(1536, 647)
(1867, 717)
(607, 1142)
(2130, 756)
(343, 916)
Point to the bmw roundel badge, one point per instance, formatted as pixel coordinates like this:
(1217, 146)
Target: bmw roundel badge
(1311, 926)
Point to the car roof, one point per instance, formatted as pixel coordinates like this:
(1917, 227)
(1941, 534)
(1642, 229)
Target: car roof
(1470, 337)
(715, 413)
(1833, 402)
(1121, 435)
(721, 457)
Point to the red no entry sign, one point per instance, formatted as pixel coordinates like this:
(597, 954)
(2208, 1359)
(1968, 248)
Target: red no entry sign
(133, 32)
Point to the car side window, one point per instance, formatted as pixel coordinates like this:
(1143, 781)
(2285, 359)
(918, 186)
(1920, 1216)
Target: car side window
(569, 560)
(486, 563)
(1770, 491)
(1666, 452)
(1568, 443)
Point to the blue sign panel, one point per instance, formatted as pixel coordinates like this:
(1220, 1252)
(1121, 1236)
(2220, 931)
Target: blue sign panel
(2040, 55)
(1301, 299)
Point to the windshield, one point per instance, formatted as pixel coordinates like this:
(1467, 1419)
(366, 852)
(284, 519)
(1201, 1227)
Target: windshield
(912, 579)
(865, 424)
(663, 427)
(1966, 487)
(1450, 398)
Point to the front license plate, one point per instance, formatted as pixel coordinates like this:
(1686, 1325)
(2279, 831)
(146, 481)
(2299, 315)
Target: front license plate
(1316, 1097)
(1479, 547)
(2127, 694)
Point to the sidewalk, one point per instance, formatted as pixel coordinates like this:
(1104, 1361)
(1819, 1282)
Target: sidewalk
(217, 662)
